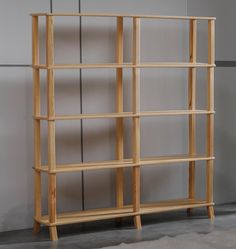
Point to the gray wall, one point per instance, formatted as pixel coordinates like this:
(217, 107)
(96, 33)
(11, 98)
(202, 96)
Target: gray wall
(161, 89)
(225, 90)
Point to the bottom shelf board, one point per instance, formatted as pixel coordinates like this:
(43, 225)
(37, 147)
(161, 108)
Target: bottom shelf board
(111, 213)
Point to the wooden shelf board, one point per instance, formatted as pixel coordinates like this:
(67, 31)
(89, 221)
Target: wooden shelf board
(173, 205)
(125, 114)
(173, 159)
(125, 65)
(125, 15)
(110, 213)
(88, 116)
(124, 163)
(174, 112)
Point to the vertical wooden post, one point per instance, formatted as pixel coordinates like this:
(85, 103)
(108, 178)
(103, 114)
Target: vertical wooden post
(119, 108)
(37, 143)
(210, 117)
(51, 128)
(136, 121)
(192, 104)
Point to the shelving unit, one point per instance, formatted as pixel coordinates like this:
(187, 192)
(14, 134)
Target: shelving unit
(136, 209)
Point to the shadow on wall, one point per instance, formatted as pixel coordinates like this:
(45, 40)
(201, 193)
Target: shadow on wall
(225, 134)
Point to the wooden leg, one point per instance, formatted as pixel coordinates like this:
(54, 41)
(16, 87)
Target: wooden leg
(191, 193)
(136, 196)
(137, 222)
(53, 233)
(36, 228)
(189, 211)
(119, 192)
(210, 211)
(52, 205)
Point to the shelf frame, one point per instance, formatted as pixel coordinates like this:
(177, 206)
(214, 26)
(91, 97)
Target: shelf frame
(136, 209)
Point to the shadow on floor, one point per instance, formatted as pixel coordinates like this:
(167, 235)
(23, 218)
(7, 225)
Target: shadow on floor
(107, 233)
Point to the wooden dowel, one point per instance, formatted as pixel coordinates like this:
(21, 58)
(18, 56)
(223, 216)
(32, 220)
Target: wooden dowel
(119, 109)
(210, 117)
(136, 121)
(192, 104)
(51, 127)
(37, 141)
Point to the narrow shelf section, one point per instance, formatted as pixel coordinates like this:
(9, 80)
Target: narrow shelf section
(61, 168)
(111, 213)
(125, 114)
(125, 65)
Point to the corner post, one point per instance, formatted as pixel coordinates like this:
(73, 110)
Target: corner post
(136, 121)
(192, 105)
(51, 128)
(37, 131)
(119, 108)
(210, 117)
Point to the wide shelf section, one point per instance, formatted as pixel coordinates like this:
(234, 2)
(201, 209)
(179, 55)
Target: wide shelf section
(125, 65)
(126, 163)
(110, 213)
(125, 114)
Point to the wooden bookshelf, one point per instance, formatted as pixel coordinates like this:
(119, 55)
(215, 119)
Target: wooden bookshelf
(136, 209)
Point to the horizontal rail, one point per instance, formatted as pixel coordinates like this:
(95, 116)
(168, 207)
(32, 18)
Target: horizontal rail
(125, 115)
(112, 164)
(125, 65)
(126, 15)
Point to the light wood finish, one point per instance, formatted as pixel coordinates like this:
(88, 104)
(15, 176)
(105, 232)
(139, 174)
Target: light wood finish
(125, 115)
(136, 208)
(125, 15)
(119, 120)
(210, 117)
(37, 143)
(192, 104)
(112, 164)
(126, 65)
(51, 127)
(110, 213)
(136, 121)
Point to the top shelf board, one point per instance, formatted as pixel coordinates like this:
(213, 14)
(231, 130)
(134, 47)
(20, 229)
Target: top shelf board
(126, 15)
